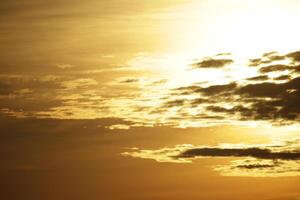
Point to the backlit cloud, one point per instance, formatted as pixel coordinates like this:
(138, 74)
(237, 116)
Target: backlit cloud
(267, 92)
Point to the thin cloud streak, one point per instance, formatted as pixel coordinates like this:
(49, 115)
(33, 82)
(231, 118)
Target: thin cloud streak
(278, 159)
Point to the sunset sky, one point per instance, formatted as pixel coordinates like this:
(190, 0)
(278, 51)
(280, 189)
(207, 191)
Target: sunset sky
(150, 100)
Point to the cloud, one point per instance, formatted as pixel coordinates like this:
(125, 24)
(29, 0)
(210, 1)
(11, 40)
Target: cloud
(130, 80)
(294, 55)
(261, 101)
(259, 78)
(210, 90)
(270, 93)
(254, 152)
(266, 89)
(274, 68)
(266, 58)
(276, 159)
(212, 63)
(174, 103)
(283, 77)
(27, 95)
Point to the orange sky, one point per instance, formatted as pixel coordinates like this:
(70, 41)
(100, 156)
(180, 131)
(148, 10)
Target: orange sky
(161, 99)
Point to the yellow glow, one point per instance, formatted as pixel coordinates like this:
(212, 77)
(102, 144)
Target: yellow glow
(241, 27)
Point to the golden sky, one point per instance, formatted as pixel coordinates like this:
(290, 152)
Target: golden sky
(140, 99)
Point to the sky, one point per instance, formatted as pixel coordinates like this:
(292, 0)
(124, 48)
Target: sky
(138, 99)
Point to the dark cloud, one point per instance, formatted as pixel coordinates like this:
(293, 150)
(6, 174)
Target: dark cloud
(212, 63)
(266, 58)
(174, 103)
(217, 89)
(283, 77)
(294, 55)
(207, 91)
(273, 56)
(198, 101)
(254, 152)
(259, 78)
(271, 101)
(262, 90)
(274, 68)
(130, 80)
(255, 166)
(255, 62)
(218, 109)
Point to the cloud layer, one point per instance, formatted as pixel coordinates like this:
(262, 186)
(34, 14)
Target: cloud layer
(280, 159)
(216, 90)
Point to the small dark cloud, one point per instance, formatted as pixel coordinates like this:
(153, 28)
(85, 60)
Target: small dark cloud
(256, 166)
(270, 54)
(198, 101)
(266, 58)
(218, 109)
(212, 63)
(275, 68)
(255, 62)
(259, 78)
(208, 91)
(273, 56)
(283, 78)
(217, 89)
(174, 103)
(130, 80)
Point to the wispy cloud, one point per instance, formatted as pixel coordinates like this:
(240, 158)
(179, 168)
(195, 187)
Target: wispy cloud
(278, 159)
